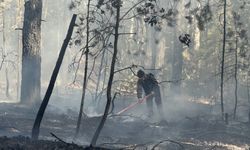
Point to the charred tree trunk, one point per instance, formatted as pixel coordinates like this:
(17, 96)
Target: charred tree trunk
(109, 88)
(39, 116)
(223, 59)
(31, 57)
(85, 74)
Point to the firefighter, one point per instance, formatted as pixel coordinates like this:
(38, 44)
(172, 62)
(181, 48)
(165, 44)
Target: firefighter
(148, 84)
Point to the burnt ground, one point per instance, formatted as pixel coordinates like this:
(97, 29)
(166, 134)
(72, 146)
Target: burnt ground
(202, 131)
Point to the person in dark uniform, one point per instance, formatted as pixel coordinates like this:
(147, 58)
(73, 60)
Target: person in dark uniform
(149, 84)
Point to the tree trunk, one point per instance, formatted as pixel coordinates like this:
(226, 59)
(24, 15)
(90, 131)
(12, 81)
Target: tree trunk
(236, 73)
(39, 116)
(177, 60)
(31, 57)
(248, 94)
(85, 73)
(176, 66)
(7, 94)
(166, 62)
(223, 58)
(19, 34)
(18, 22)
(154, 49)
(99, 78)
(109, 88)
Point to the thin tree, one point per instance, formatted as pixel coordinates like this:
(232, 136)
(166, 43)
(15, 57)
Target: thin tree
(85, 73)
(109, 88)
(39, 116)
(99, 77)
(18, 21)
(236, 70)
(223, 59)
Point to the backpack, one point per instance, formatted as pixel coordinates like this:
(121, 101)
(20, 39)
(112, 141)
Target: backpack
(151, 78)
(149, 83)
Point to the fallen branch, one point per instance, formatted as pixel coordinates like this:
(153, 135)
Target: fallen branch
(67, 144)
(125, 145)
(59, 139)
(167, 141)
(133, 147)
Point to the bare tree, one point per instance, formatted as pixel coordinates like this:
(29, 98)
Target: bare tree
(112, 69)
(236, 70)
(223, 59)
(85, 72)
(39, 117)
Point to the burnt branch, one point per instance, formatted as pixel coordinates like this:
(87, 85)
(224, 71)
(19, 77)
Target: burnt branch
(178, 143)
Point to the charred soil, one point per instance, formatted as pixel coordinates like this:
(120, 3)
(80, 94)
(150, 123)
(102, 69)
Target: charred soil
(120, 132)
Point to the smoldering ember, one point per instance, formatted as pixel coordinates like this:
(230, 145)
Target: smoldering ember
(124, 75)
